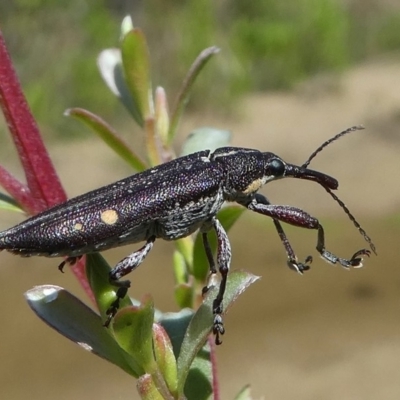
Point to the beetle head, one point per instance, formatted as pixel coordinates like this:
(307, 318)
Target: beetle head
(276, 168)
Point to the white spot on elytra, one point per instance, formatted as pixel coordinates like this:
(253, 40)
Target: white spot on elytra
(78, 226)
(109, 217)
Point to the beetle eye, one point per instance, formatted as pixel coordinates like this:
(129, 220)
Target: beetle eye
(276, 167)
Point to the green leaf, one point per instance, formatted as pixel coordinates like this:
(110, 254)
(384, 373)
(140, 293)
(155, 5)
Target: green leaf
(180, 271)
(136, 66)
(69, 316)
(202, 322)
(126, 25)
(184, 295)
(185, 247)
(205, 138)
(198, 384)
(97, 272)
(176, 323)
(165, 358)
(183, 96)
(244, 394)
(9, 204)
(161, 114)
(132, 328)
(147, 388)
(109, 136)
(110, 66)
(227, 216)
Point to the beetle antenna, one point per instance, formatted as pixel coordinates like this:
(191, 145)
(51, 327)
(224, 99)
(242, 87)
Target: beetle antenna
(352, 219)
(329, 141)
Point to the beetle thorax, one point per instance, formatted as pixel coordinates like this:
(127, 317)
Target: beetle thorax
(244, 170)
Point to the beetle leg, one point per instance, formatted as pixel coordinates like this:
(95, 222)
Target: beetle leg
(69, 260)
(223, 260)
(210, 260)
(292, 261)
(218, 328)
(295, 216)
(124, 267)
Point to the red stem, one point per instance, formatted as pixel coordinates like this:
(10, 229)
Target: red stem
(44, 188)
(214, 371)
(18, 191)
(40, 175)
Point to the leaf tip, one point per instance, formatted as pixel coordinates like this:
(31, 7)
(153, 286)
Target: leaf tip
(126, 25)
(47, 293)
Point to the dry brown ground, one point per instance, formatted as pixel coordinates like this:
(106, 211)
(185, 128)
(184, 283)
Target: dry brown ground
(328, 335)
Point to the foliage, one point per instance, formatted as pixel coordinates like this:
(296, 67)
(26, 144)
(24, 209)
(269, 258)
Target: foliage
(169, 354)
(281, 43)
(268, 44)
(53, 45)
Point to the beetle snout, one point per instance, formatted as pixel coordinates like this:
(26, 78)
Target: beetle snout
(309, 174)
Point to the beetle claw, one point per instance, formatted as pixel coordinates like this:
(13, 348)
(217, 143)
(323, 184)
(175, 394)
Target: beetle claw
(356, 261)
(300, 267)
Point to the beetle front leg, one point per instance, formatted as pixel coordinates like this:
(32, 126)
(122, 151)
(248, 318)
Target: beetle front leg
(124, 267)
(224, 255)
(355, 261)
(292, 261)
(295, 216)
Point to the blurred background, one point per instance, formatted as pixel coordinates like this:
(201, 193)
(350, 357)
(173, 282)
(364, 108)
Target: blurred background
(289, 76)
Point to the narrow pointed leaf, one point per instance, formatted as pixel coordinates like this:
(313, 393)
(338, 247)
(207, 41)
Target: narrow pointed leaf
(126, 25)
(184, 295)
(109, 135)
(9, 204)
(198, 384)
(165, 358)
(147, 388)
(107, 62)
(227, 216)
(69, 316)
(132, 328)
(205, 138)
(180, 271)
(97, 272)
(183, 96)
(244, 394)
(185, 247)
(110, 66)
(176, 323)
(152, 142)
(202, 322)
(136, 66)
(161, 115)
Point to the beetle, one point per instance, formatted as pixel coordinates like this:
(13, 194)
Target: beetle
(171, 201)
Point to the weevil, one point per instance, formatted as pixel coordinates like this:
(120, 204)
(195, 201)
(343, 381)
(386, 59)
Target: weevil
(171, 201)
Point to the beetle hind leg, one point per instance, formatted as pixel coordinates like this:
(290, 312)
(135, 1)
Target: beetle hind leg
(69, 260)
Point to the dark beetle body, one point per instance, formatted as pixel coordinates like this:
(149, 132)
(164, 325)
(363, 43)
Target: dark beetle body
(172, 201)
(169, 201)
(155, 202)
